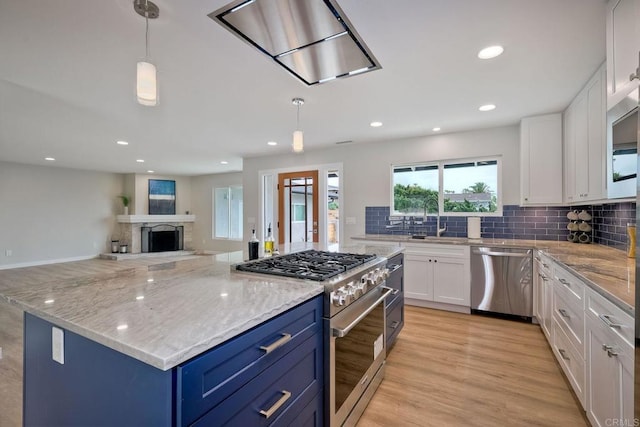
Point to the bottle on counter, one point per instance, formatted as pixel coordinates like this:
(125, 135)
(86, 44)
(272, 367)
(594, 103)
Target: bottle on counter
(268, 243)
(254, 245)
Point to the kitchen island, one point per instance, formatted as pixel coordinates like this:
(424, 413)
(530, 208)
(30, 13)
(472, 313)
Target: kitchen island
(126, 335)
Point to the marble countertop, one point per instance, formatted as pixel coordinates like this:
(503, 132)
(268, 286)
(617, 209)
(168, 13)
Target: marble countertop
(606, 270)
(163, 313)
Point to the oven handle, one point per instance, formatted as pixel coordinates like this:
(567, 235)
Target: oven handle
(336, 332)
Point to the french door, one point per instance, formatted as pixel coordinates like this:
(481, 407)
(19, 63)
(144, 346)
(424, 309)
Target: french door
(298, 207)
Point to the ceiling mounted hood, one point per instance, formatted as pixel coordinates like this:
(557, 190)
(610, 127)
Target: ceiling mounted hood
(312, 39)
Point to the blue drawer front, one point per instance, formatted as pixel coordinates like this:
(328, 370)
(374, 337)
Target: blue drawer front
(203, 382)
(395, 320)
(299, 372)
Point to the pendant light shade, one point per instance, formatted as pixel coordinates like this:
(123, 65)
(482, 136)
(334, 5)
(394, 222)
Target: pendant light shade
(298, 137)
(147, 84)
(146, 75)
(298, 142)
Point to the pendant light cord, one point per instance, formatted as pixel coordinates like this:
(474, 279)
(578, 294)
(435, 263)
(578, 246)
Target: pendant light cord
(146, 31)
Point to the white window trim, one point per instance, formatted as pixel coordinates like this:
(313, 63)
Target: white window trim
(213, 214)
(440, 164)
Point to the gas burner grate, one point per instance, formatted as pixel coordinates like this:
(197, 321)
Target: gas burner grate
(310, 265)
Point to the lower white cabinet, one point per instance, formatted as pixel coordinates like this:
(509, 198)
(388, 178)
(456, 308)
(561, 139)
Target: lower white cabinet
(543, 293)
(437, 273)
(609, 364)
(593, 341)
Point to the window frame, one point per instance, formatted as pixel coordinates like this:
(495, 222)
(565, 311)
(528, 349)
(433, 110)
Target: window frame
(229, 189)
(441, 164)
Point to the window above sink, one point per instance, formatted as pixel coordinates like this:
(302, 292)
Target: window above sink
(464, 187)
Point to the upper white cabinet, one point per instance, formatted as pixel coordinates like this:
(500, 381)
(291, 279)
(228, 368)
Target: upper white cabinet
(585, 145)
(541, 160)
(623, 48)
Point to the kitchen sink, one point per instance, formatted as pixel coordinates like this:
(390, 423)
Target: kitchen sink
(434, 239)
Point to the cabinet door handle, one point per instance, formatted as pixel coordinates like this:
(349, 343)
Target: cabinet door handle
(611, 353)
(563, 313)
(394, 324)
(286, 395)
(563, 354)
(606, 347)
(607, 320)
(564, 282)
(282, 341)
(545, 265)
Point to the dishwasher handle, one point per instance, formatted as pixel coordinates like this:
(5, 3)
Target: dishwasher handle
(503, 254)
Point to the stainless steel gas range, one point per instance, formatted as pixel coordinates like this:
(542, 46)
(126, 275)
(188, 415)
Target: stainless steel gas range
(354, 322)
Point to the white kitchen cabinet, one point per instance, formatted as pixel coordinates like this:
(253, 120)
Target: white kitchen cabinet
(438, 274)
(541, 160)
(623, 48)
(543, 293)
(585, 145)
(609, 367)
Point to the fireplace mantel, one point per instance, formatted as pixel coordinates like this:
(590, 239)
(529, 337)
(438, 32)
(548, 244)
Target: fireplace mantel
(138, 219)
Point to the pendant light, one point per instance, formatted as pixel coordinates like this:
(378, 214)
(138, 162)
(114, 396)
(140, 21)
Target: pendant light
(146, 80)
(298, 137)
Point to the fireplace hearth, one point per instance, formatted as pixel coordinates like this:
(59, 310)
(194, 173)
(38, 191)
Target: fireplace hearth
(162, 238)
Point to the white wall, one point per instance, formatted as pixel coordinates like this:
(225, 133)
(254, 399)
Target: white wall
(366, 174)
(49, 213)
(202, 203)
(140, 202)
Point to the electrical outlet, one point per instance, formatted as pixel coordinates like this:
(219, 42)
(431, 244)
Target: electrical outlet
(8, 252)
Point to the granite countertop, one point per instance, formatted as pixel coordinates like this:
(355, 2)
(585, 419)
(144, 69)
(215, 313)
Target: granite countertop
(606, 270)
(173, 310)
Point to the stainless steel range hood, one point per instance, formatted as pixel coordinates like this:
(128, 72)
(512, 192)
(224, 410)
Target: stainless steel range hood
(312, 39)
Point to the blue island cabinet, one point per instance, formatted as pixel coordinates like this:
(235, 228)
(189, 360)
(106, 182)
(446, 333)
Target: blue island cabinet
(269, 375)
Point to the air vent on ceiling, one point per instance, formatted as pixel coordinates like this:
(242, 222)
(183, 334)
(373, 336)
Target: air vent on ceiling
(312, 39)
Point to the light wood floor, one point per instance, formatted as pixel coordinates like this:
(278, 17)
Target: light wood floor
(449, 369)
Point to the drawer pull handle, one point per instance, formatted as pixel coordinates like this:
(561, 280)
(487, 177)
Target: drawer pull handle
(286, 395)
(563, 313)
(394, 324)
(611, 353)
(395, 292)
(545, 265)
(565, 282)
(607, 320)
(609, 350)
(606, 347)
(282, 341)
(563, 354)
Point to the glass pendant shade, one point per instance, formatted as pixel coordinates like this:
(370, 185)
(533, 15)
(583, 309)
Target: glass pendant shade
(297, 145)
(146, 84)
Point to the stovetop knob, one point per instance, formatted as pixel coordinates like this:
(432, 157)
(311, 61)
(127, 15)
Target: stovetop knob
(338, 298)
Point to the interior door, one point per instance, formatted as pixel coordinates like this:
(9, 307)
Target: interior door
(298, 207)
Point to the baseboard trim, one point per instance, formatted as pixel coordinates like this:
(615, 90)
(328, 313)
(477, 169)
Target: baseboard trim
(46, 262)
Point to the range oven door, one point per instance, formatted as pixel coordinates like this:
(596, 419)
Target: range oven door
(356, 352)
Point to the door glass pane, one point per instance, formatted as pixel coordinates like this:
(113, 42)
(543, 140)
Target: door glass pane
(333, 207)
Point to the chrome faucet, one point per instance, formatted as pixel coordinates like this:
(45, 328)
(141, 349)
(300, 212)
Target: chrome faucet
(439, 231)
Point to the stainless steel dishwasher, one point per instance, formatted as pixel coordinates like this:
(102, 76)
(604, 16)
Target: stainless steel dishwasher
(501, 281)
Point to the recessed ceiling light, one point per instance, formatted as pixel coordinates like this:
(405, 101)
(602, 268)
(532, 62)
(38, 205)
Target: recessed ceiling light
(122, 143)
(436, 129)
(150, 171)
(140, 161)
(224, 162)
(487, 107)
(272, 143)
(140, 297)
(49, 301)
(50, 159)
(375, 124)
(490, 52)
(122, 327)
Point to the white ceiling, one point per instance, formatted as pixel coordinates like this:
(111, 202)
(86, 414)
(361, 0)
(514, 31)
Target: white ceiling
(67, 79)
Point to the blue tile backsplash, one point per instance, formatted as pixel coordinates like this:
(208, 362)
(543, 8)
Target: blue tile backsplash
(532, 223)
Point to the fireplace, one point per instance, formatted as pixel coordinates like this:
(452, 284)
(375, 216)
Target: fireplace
(162, 238)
